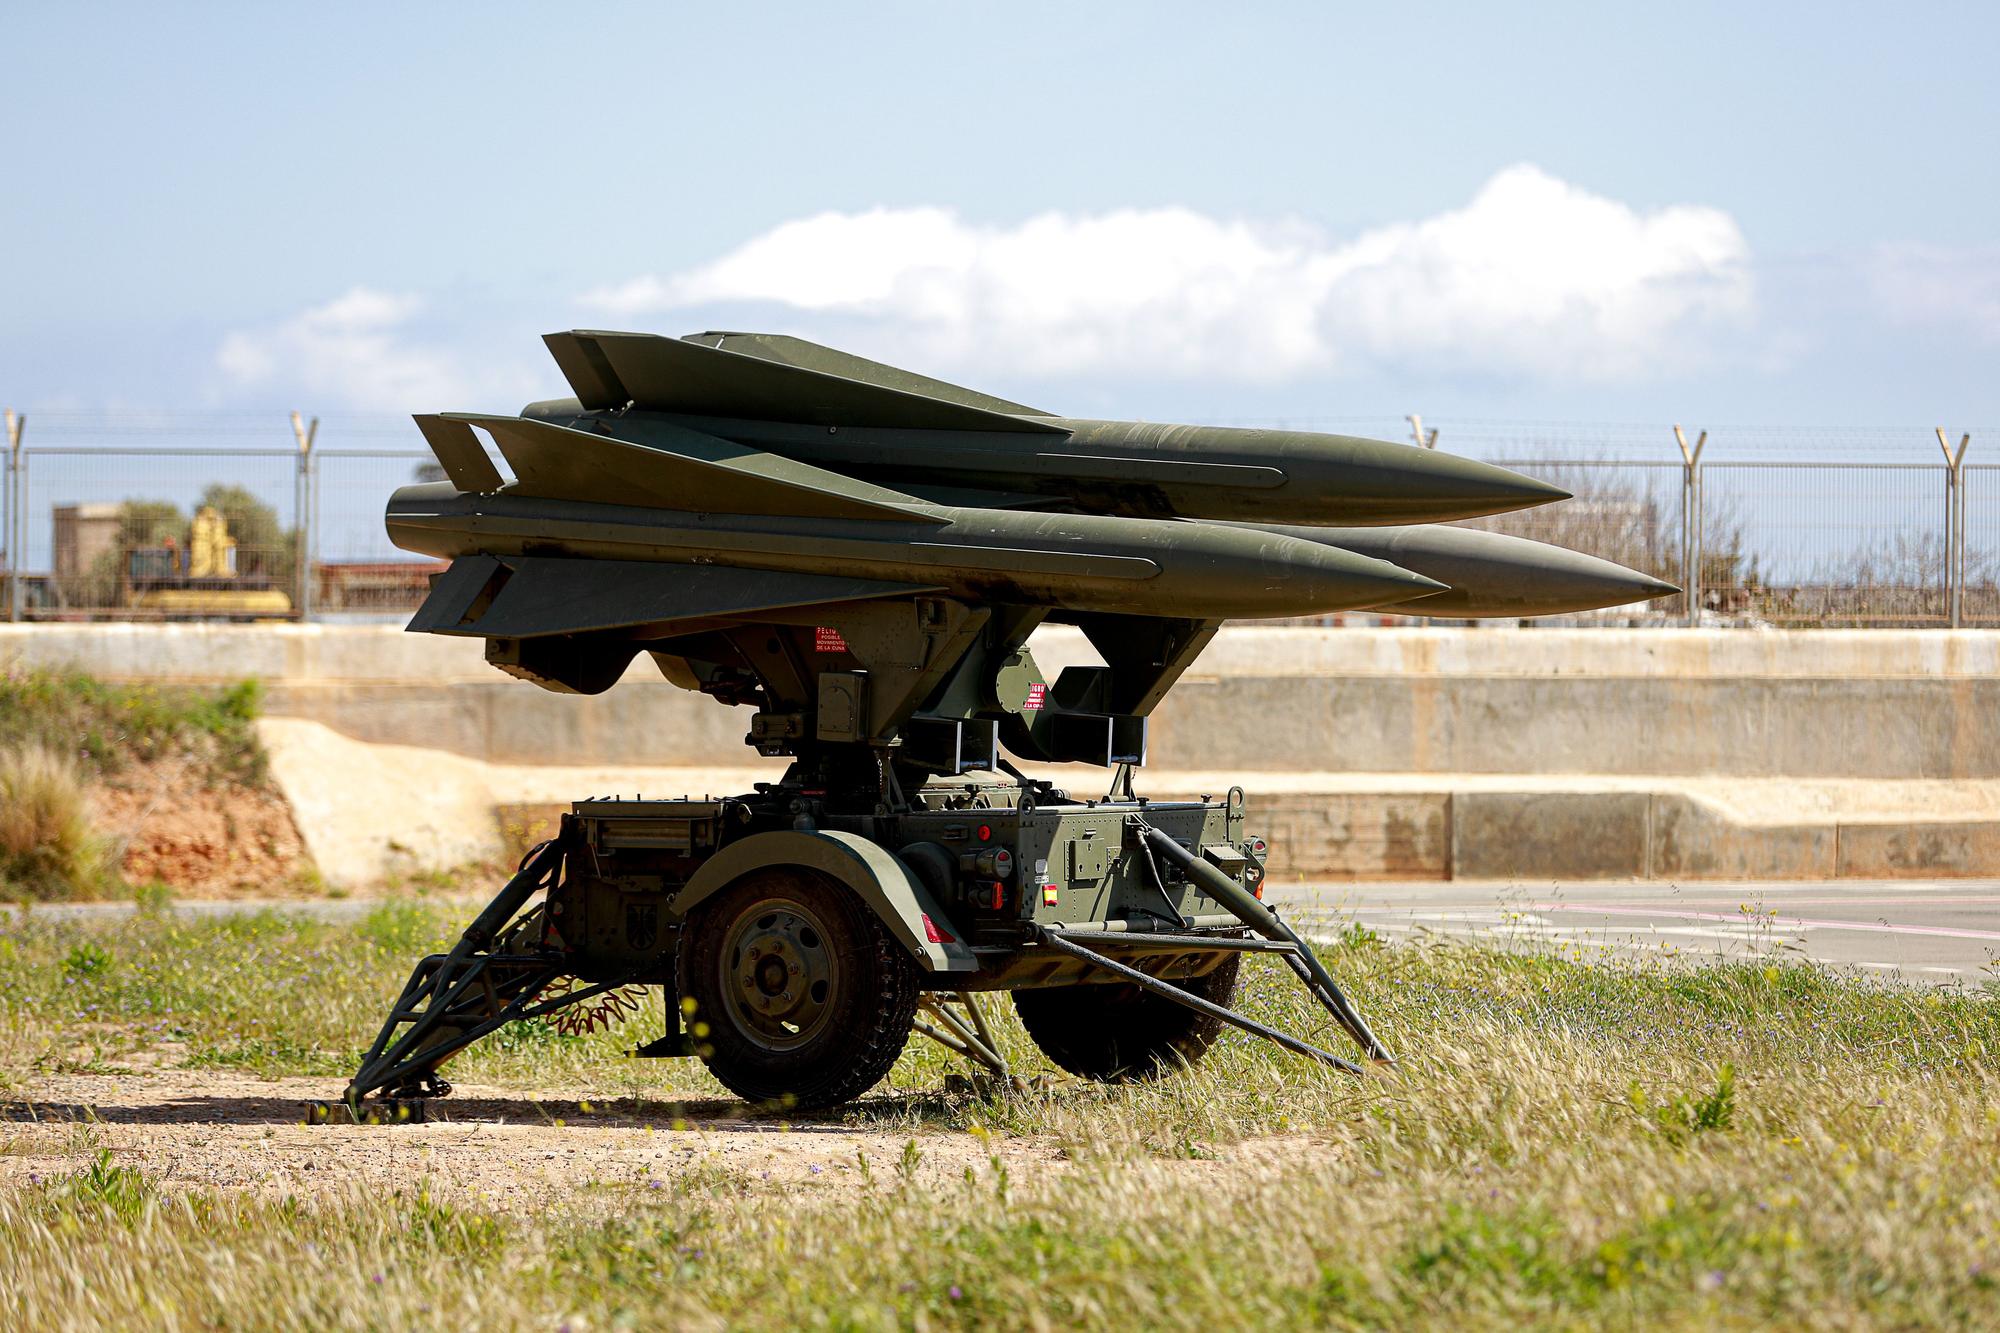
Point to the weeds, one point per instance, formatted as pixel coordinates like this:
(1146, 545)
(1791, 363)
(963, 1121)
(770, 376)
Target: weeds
(85, 962)
(106, 725)
(1682, 1117)
(1832, 1162)
(122, 1191)
(47, 846)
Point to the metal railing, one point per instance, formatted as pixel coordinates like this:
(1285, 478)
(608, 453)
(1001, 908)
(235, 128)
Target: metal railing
(99, 523)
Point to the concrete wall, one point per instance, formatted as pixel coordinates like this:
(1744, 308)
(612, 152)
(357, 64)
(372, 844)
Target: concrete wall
(1883, 704)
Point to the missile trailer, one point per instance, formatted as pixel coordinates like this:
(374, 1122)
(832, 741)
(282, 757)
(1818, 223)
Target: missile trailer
(860, 556)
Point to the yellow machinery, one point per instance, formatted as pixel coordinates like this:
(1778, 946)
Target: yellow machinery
(209, 587)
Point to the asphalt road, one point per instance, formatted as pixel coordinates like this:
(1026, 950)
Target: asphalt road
(1943, 931)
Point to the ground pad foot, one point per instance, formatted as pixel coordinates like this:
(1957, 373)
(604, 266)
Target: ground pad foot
(380, 1111)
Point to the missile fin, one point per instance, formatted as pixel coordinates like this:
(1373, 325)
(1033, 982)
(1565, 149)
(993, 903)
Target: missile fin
(453, 593)
(535, 596)
(682, 470)
(584, 366)
(457, 448)
(790, 351)
(695, 379)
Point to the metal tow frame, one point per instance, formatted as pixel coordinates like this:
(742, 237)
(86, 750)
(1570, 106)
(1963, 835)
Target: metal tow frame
(1274, 937)
(1252, 911)
(1065, 941)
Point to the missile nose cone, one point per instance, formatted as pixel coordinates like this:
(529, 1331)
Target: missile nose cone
(1411, 583)
(1452, 487)
(1491, 573)
(1374, 482)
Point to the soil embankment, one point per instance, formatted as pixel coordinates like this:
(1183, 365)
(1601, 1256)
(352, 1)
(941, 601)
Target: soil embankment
(110, 788)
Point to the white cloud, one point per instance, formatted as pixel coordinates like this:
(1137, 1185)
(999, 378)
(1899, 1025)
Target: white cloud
(354, 351)
(1533, 277)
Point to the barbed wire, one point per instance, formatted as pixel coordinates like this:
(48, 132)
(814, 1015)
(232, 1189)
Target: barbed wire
(1610, 441)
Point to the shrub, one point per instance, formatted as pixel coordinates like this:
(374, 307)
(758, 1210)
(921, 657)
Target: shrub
(108, 725)
(47, 847)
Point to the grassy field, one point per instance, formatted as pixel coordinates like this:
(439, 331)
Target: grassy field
(1562, 1145)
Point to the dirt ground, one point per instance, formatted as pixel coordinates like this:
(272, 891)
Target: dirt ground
(211, 841)
(196, 1130)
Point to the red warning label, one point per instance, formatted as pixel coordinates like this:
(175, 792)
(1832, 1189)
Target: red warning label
(1038, 694)
(826, 639)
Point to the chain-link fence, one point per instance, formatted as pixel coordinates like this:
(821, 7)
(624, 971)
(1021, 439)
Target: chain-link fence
(226, 518)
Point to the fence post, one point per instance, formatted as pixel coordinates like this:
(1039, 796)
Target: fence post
(1424, 441)
(1954, 526)
(1690, 525)
(17, 513)
(302, 512)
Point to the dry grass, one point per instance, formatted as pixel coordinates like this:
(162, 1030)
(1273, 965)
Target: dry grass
(48, 846)
(1757, 1142)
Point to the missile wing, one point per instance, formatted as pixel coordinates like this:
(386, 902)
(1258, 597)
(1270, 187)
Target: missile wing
(529, 597)
(676, 468)
(692, 378)
(906, 431)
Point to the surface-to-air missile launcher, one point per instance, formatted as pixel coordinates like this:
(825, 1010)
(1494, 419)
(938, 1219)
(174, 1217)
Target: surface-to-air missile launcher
(856, 555)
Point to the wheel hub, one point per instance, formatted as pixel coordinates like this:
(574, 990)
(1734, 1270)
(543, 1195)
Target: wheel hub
(781, 974)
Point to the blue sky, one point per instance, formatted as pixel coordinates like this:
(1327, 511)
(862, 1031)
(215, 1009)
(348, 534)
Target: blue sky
(1781, 214)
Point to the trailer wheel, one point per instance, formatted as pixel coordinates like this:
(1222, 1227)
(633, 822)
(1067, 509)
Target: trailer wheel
(1117, 1033)
(806, 998)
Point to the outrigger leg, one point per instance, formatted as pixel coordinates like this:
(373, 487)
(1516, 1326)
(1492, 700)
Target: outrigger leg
(490, 978)
(1278, 938)
(967, 1034)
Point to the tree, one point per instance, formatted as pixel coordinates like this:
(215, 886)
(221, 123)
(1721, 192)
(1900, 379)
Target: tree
(263, 545)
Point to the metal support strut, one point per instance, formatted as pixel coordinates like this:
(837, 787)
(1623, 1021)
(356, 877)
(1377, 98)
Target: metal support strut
(454, 999)
(1252, 912)
(967, 1036)
(1278, 938)
(1054, 938)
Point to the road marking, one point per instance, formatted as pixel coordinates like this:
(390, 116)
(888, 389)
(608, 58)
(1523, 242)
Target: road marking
(1800, 923)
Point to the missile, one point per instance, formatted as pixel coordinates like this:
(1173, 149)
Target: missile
(956, 446)
(1490, 574)
(606, 531)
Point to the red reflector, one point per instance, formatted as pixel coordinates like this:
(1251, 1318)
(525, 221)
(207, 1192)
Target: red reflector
(986, 833)
(999, 896)
(933, 934)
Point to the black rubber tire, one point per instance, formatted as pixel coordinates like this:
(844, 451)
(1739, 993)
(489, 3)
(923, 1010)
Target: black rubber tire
(1115, 1032)
(869, 1011)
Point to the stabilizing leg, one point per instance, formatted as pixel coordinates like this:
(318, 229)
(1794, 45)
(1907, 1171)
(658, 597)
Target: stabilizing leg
(454, 999)
(968, 1035)
(1253, 913)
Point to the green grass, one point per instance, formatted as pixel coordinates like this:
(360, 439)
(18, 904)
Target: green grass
(1563, 1145)
(107, 726)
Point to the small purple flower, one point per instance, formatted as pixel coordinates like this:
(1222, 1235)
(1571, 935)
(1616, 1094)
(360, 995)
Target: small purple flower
(956, 1294)
(814, 1168)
